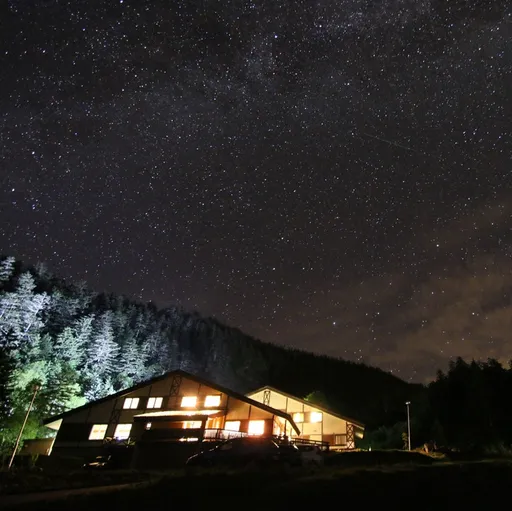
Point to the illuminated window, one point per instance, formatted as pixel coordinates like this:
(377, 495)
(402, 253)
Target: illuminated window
(212, 401)
(188, 401)
(131, 403)
(98, 432)
(298, 418)
(122, 431)
(256, 427)
(191, 424)
(148, 425)
(316, 417)
(155, 402)
(232, 426)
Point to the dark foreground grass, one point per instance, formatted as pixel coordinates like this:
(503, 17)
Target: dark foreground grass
(439, 486)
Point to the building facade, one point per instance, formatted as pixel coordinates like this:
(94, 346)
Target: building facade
(315, 423)
(160, 415)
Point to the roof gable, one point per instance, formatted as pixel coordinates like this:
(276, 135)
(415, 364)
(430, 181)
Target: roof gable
(184, 374)
(308, 403)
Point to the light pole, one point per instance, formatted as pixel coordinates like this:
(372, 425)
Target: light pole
(36, 390)
(408, 403)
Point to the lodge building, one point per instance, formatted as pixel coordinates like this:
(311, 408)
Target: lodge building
(166, 419)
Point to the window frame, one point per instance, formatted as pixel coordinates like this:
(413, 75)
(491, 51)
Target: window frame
(217, 397)
(104, 432)
(298, 421)
(238, 423)
(183, 398)
(259, 421)
(129, 402)
(153, 401)
(319, 417)
(129, 430)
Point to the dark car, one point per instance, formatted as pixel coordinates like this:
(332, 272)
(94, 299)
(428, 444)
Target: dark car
(238, 452)
(290, 454)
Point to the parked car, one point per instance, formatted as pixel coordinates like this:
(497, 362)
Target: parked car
(290, 454)
(311, 455)
(238, 452)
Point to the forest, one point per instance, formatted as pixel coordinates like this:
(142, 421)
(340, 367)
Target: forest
(79, 345)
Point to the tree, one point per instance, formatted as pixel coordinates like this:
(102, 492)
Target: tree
(133, 366)
(72, 342)
(317, 397)
(101, 357)
(7, 268)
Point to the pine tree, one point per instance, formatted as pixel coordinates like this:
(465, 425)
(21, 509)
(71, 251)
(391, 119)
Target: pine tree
(133, 366)
(7, 267)
(101, 355)
(72, 342)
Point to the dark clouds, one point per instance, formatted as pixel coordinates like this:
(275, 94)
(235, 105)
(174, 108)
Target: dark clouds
(281, 165)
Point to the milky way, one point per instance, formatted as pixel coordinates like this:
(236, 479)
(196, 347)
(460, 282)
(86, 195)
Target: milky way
(329, 175)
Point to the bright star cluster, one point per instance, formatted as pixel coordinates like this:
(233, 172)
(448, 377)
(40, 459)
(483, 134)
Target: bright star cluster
(331, 175)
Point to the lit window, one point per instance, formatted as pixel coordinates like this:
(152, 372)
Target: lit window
(188, 401)
(232, 426)
(191, 424)
(148, 425)
(155, 402)
(98, 432)
(298, 418)
(212, 401)
(256, 427)
(131, 403)
(122, 431)
(316, 417)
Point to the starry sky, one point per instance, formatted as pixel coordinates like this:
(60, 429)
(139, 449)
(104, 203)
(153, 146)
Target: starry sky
(333, 175)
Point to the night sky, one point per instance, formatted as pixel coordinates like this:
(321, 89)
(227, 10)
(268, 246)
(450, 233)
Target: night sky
(333, 175)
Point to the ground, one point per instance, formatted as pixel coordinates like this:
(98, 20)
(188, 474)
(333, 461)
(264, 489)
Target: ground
(418, 486)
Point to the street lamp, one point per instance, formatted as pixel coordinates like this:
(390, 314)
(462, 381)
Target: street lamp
(408, 403)
(36, 390)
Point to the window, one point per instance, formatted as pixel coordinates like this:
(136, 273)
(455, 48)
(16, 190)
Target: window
(188, 401)
(122, 431)
(131, 403)
(232, 426)
(316, 417)
(98, 432)
(148, 425)
(212, 401)
(155, 402)
(298, 418)
(256, 427)
(191, 424)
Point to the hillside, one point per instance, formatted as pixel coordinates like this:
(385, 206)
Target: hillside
(82, 345)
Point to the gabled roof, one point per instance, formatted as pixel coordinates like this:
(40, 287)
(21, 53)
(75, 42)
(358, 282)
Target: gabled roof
(184, 374)
(313, 405)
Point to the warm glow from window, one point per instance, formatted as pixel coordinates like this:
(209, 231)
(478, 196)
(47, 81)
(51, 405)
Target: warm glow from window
(131, 403)
(148, 425)
(155, 402)
(298, 417)
(232, 426)
(316, 417)
(191, 424)
(256, 427)
(122, 431)
(188, 401)
(212, 401)
(98, 432)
